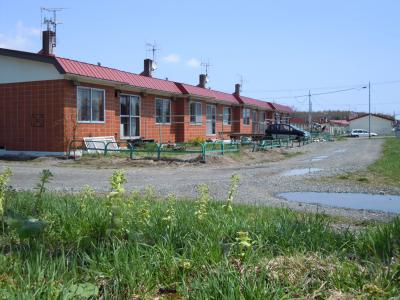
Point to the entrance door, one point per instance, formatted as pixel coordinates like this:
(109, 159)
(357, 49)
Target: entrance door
(255, 124)
(130, 116)
(210, 119)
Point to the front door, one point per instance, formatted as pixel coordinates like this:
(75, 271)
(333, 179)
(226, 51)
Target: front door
(255, 124)
(130, 116)
(211, 118)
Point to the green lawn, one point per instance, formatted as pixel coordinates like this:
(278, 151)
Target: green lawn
(388, 166)
(137, 246)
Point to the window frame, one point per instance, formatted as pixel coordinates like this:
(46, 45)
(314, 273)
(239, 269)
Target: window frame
(263, 118)
(248, 117)
(201, 113)
(139, 116)
(229, 121)
(214, 107)
(91, 107)
(170, 111)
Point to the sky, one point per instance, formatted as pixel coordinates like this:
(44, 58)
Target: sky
(280, 49)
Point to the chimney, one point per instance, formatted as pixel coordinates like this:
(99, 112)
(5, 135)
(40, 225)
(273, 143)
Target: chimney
(202, 80)
(49, 42)
(237, 89)
(148, 67)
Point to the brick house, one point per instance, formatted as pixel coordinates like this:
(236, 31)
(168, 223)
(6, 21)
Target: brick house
(46, 101)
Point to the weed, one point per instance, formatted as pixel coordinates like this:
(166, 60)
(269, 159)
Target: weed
(45, 177)
(170, 215)
(231, 193)
(114, 201)
(197, 141)
(202, 201)
(363, 179)
(4, 178)
(344, 176)
(243, 243)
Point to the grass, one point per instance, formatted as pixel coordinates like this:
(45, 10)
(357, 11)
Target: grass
(384, 172)
(340, 138)
(388, 165)
(292, 154)
(136, 246)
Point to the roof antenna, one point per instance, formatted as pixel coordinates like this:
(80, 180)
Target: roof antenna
(206, 66)
(48, 20)
(242, 80)
(152, 48)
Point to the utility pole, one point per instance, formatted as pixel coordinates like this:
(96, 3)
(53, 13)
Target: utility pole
(309, 111)
(369, 110)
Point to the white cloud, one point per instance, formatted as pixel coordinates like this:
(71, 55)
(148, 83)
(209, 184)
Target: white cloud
(193, 62)
(172, 58)
(20, 38)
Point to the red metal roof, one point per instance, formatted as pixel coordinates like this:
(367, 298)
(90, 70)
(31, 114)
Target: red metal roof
(75, 67)
(255, 102)
(282, 108)
(104, 73)
(212, 94)
(340, 122)
(297, 120)
(389, 118)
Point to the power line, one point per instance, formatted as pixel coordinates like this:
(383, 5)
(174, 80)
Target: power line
(318, 94)
(342, 89)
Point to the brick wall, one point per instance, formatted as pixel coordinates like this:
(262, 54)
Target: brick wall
(41, 116)
(148, 127)
(75, 130)
(31, 116)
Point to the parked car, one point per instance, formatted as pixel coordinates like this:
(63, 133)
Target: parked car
(285, 131)
(361, 133)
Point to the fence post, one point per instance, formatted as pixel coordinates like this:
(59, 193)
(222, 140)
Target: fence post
(105, 149)
(222, 147)
(130, 150)
(158, 151)
(203, 151)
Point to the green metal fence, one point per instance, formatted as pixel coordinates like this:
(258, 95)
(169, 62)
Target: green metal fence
(154, 149)
(279, 143)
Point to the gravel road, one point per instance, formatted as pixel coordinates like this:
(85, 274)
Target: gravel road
(259, 183)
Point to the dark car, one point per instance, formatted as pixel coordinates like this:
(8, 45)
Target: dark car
(285, 131)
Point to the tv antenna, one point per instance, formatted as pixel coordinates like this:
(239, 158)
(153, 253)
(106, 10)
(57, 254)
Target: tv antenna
(206, 66)
(152, 48)
(48, 20)
(241, 81)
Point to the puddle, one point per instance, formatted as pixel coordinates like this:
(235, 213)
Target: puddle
(340, 151)
(385, 203)
(296, 172)
(319, 158)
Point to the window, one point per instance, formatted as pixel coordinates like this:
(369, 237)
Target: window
(195, 113)
(130, 116)
(163, 111)
(246, 116)
(227, 116)
(263, 117)
(90, 106)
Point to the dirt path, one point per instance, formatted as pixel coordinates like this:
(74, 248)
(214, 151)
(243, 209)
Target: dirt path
(259, 182)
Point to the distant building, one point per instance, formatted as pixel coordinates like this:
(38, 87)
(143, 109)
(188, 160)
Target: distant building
(382, 125)
(337, 127)
(298, 122)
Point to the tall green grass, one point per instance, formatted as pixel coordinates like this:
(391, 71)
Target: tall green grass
(137, 246)
(388, 165)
